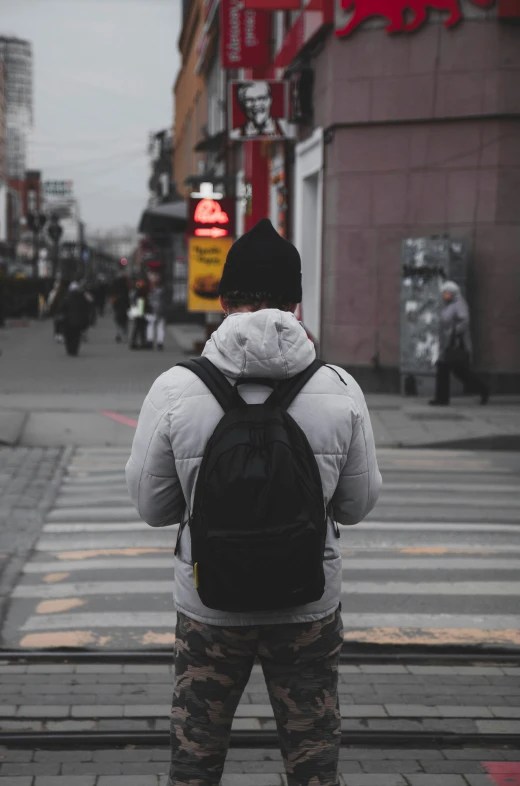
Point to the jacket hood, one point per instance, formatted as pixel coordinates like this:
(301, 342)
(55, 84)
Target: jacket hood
(267, 343)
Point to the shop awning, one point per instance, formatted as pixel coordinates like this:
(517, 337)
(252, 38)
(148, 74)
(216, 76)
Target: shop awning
(211, 144)
(170, 217)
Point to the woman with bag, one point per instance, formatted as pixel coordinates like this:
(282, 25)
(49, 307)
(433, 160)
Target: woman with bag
(455, 348)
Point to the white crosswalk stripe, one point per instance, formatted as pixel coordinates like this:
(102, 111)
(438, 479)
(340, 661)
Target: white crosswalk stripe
(101, 577)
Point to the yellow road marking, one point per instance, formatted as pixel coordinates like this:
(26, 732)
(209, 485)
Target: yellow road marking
(71, 638)
(389, 635)
(53, 578)
(60, 604)
(158, 638)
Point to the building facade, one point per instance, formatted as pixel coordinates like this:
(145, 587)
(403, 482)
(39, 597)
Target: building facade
(405, 124)
(421, 137)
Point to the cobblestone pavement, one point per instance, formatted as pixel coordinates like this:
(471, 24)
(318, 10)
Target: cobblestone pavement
(358, 767)
(29, 480)
(133, 697)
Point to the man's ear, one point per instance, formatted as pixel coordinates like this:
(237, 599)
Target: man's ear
(293, 307)
(223, 304)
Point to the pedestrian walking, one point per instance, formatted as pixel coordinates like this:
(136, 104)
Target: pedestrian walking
(139, 310)
(76, 317)
(259, 451)
(120, 299)
(456, 348)
(157, 318)
(55, 302)
(100, 294)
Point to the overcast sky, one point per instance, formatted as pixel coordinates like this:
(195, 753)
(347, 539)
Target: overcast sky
(103, 77)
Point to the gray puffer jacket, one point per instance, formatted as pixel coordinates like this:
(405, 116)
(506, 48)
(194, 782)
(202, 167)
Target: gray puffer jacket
(180, 414)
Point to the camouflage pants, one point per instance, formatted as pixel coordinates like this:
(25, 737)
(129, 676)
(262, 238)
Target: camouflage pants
(212, 668)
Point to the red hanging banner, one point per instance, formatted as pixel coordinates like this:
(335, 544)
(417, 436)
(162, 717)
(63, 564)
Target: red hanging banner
(274, 5)
(246, 36)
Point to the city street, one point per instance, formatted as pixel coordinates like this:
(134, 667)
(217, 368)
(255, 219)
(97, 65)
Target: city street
(436, 562)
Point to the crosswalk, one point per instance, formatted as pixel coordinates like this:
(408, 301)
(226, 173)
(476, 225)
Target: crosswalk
(437, 562)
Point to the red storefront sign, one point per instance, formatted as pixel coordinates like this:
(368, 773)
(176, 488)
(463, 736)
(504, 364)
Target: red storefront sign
(246, 36)
(274, 5)
(211, 217)
(396, 13)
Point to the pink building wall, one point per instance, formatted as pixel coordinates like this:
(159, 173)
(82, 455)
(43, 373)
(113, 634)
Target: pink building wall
(422, 137)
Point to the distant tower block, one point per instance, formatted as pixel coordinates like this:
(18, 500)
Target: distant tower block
(16, 57)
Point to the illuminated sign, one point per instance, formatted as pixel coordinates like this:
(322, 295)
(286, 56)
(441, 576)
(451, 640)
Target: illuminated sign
(208, 211)
(211, 218)
(403, 16)
(206, 258)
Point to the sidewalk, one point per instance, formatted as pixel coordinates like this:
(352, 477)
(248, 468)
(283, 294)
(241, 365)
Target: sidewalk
(130, 698)
(48, 399)
(411, 422)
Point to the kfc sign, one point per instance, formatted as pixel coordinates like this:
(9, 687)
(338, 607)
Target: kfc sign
(402, 16)
(258, 110)
(246, 36)
(211, 218)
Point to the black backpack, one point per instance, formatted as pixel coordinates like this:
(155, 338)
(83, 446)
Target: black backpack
(259, 523)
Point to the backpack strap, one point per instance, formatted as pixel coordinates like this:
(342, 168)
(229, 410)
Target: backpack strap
(287, 392)
(214, 380)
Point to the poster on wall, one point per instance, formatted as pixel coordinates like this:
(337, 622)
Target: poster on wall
(258, 110)
(246, 36)
(206, 258)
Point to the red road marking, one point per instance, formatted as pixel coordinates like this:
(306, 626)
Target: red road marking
(503, 773)
(119, 418)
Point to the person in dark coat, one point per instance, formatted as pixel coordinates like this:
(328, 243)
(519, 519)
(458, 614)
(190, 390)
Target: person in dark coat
(76, 318)
(455, 348)
(120, 298)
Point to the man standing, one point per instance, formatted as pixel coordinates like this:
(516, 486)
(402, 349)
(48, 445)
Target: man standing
(259, 352)
(455, 348)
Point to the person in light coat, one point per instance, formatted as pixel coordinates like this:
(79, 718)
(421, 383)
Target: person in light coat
(455, 348)
(299, 648)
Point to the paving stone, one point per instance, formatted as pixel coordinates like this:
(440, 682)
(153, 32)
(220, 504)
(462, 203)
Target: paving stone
(400, 766)
(380, 779)
(411, 710)
(498, 726)
(96, 711)
(66, 780)
(251, 780)
(122, 780)
(43, 711)
(63, 756)
(146, 710)
(436, 780)
(140, 755)
(26, 781)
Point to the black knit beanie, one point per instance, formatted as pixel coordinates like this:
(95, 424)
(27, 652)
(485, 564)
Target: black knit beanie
(263, 262)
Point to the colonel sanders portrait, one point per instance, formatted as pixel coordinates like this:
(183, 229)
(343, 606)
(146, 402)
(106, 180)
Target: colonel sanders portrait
(255, 100)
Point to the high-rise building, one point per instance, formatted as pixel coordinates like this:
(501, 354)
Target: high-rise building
(16, 58)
